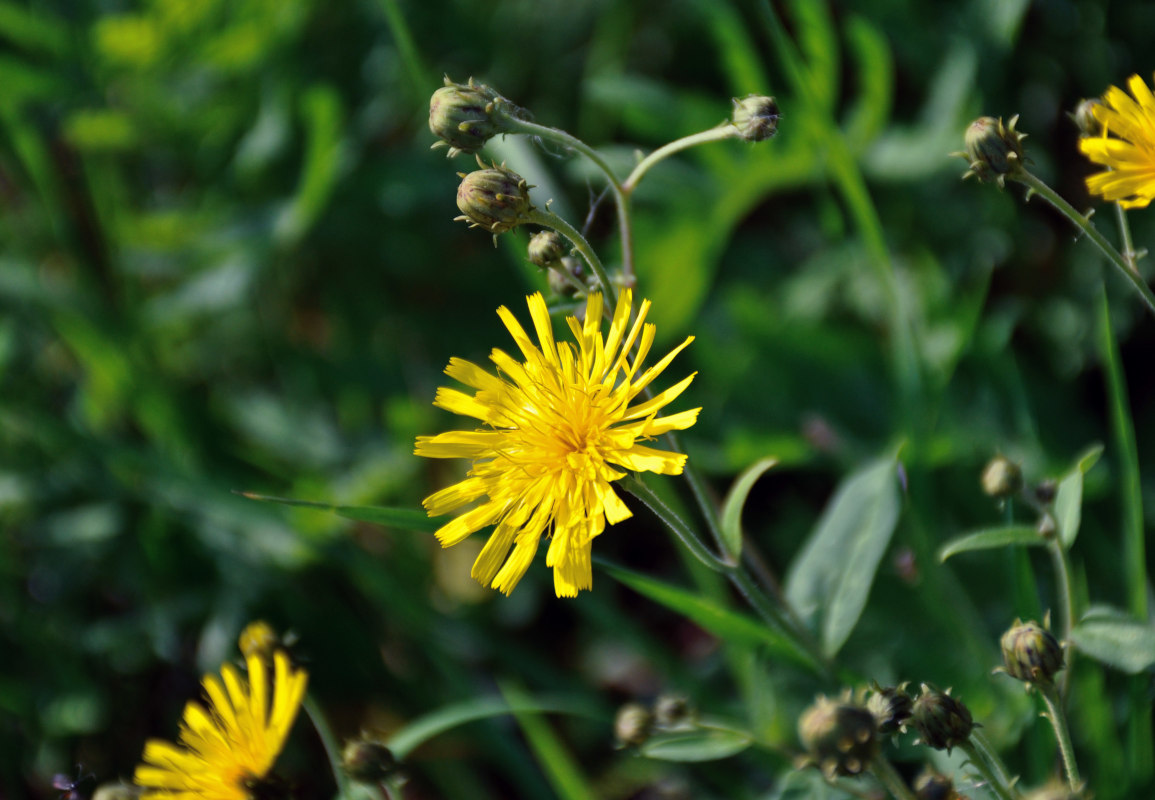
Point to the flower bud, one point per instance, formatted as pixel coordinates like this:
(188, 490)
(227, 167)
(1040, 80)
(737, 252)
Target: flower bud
(546, 248)
(672, 710)
(367, 760)
(1085, 119)
(466, 116)
(994, 150)
(1031, 653)
(942, 722)
(838, 736)
(116, 791)
(1045, 491)
(494, 198)
(891, 708)
(258, 638)
(633, 725)
(556, 277)
(755, 117)
(1002, 478)
(931, 785)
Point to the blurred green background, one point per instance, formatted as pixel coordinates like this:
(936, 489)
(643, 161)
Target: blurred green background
(228, 262)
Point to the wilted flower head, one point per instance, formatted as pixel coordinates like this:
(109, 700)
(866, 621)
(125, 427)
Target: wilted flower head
(1126, 147)
(559, 428)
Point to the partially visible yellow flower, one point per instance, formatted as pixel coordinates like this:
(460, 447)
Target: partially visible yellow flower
(1126, 148)
(228, 748)
(559, 429)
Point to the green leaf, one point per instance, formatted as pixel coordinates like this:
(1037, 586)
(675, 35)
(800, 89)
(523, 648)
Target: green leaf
(989, 538)
(702, 744)
(404, 518)
(1116, 639)
(560, 767)
(424, 728)
(1069, 497)
(736, 501)
(723, 623)
(830, 581)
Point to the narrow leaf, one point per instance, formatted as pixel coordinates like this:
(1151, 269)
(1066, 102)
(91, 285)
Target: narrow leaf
(1116, 639)
(560, 767)
(403, 518)
(723, 623)
(989, 538)
(830, 581)
(1069, 497)
(736, 501)
(703, 744)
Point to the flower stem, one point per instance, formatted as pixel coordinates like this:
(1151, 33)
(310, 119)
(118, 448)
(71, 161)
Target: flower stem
(1129, 254)
(990, 766)
(634, 485)
(329, 741)
(1083, 224)
(1062, 566)
(888, 776)
(548, 219)
(724, 131)
(1059, 723)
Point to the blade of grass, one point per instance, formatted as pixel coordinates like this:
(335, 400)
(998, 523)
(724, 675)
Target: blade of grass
(561, 768)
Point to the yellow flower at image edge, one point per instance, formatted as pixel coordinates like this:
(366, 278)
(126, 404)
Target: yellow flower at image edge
(228, 747)
(1126, 147)
(559, 429)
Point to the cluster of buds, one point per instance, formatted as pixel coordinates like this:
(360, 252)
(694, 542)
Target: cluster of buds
(1031, 653)
(994, 150)
(466, 116)
(635, 723)
(840, 736)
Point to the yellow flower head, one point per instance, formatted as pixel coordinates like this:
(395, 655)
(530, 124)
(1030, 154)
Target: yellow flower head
(558, 426)
(228, 747)
(1126, 148)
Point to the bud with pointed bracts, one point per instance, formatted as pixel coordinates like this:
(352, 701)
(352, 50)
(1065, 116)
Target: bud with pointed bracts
(464, 116)
(1031, 653)
(546, 249)
(942, 721)
(890, 706)
(494, 198)
(994, 150)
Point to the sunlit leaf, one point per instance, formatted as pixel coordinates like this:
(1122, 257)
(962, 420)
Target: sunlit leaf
(989, 538)
(404, 518)
(1116, 639)
(736, 501)
(1069, 497)
(703, 744)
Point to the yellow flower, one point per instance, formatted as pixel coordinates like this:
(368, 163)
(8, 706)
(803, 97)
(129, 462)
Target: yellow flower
(228, 748)
(557, 427)
(1130, 157)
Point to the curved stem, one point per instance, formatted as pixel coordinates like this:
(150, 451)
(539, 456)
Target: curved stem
(724, 131)
(329, 741)
(621, 199)
(1066, 605)
(634, 485)
(983, 759)
(1059, 723)
(888, 776)
(1125, 237)
(548, 219)
(775, 618)
(699, 489)
(1083, 224)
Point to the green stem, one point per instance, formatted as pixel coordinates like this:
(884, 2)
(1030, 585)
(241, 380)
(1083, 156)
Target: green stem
(1125, 237)
(990, 767)
(1059, 723)
(621, 198)
(724, 131)
(1062, 564)
(700, 491)
(888, 776)
(1083, 224)
(329, 741)
(548, 219)
(634, 485)
(773, 616)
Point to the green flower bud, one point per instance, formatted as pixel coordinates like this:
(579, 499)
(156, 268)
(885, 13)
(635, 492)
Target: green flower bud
(546, 248)
(755, 117)
(494, 198)
(558, 283)
(1002, 478)
(367, 760)
(931, 785)
(633, 725)
(891, 708)
(466, 116)
(838, 736)
(994, 150)
(942, 722)
(671, 711)
(1031, 653)
(1084, 117)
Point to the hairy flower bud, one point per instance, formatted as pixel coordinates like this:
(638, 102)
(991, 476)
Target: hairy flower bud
(755, 117)
(838, 736)
(672, 710)
(931, 785)
(1085, 119)
(994, 150)
(367, 760)
(546, 248)
(466, 116)
(633, 725)
(891, 708)
(494, 198)
(1001, 478)
(942, 722)
(1031, 653)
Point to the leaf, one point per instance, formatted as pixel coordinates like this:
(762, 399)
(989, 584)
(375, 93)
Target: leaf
(722, 622)
(989, 538)
(405, 518)
(830, 581)
(1116, 639)
(558, 763)
(1069, 497)
(736, 501)
(703, 744)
